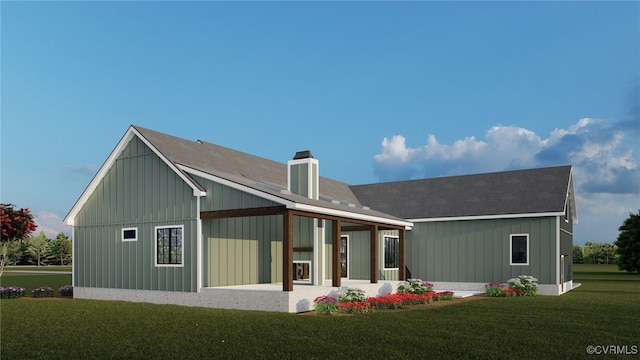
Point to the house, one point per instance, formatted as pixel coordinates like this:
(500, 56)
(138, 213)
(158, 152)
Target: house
(168, 220)
(471, 230)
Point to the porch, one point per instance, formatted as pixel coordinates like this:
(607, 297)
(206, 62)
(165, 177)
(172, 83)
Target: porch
(270, 297)
(261, 297)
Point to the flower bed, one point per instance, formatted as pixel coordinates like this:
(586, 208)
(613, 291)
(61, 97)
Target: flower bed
(14, 292)
(325, 305)
(353, 301)
(66, 290)
(523, 285)
(43, 291)
(11, 292)
(354, 307)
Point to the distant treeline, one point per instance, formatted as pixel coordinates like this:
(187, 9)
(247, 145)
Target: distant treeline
(40, 250)
(594, 253)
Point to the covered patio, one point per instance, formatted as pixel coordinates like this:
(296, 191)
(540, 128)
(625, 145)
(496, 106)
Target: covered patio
(340, 222)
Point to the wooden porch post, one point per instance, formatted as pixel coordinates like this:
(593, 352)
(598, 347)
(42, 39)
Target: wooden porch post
(374, 254)
(335, 253)
(403, 254)
(287, 251)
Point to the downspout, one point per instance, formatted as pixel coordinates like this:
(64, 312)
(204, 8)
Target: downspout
(557, 257)
(73, 256)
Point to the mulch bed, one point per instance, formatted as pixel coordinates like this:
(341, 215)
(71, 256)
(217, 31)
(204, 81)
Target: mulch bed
(433, 305)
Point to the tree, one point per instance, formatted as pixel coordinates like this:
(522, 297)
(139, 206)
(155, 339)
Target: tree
(15, 252)
(15, 225)
(577, 255)
(39, 247)
(628, 244)
(61, 248)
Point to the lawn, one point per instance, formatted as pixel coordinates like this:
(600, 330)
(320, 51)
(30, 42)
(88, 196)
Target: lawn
(603, 311)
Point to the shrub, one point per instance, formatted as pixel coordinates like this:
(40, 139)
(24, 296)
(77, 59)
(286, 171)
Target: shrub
(494, 289)
(511, 292)
(66, 290)
(325, 305)
(445, 295)
(354, 307)
(43, 291)
(352, 295)
(526, 284)
(414, 286)
(11, 292)
(388, 301)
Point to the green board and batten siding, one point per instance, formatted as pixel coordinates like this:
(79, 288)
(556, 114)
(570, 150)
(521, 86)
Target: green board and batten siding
(141, 191)
(246, 250)
(359, 252)
(238, 251)
(478, 250)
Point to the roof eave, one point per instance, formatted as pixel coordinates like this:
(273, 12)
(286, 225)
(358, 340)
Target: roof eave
(487, 217)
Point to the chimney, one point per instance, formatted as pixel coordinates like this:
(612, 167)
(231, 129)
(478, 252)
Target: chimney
(302, 175)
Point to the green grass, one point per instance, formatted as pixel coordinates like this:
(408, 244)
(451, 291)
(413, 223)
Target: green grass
(603, 311)
(62, 268)
(40, 276)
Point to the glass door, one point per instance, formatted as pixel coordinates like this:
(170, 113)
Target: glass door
(344, 256)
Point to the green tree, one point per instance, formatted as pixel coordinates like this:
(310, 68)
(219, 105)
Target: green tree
(628, 244)
(39, 247)
(15, 252)
(587, 253)
(577, 255)
(15, 225)
(60, 250)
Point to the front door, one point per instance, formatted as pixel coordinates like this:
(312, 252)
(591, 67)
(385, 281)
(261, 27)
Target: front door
(344, 256)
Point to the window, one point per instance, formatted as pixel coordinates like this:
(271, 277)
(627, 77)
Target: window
(169, 245)
(129, 234)
(391, 252)
(302, 271)
(519, 246)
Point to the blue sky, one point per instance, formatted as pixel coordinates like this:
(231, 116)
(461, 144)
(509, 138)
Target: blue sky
(377, 90)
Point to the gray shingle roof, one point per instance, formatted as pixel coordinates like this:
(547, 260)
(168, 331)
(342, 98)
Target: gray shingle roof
(255, 172)
(532, 191)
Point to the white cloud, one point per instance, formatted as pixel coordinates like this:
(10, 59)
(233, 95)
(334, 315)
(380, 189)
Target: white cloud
(606, 171)
(51, 223)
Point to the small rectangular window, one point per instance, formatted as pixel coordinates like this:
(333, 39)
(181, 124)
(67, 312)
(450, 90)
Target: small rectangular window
(302, 271)
(129, 234)
(169, 245)
(519, 249)
(391, 252)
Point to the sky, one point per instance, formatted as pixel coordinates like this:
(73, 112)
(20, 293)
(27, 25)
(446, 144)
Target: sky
(378, 91)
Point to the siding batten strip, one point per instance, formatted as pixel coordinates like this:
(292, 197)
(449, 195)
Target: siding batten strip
(373, 263)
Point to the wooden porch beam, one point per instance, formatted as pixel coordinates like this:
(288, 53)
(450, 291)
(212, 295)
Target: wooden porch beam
(234, 213)
(403, 255)
(335, 253)
(356, 228)
(287, 251)
(374, 254)
(346, 219)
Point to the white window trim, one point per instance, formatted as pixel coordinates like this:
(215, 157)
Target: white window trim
(302, 281)
(155, 245)
(129, 229)
(384, 250)
(511, 250)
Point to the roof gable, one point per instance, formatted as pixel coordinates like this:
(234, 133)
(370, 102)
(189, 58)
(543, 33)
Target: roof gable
(507, 193)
